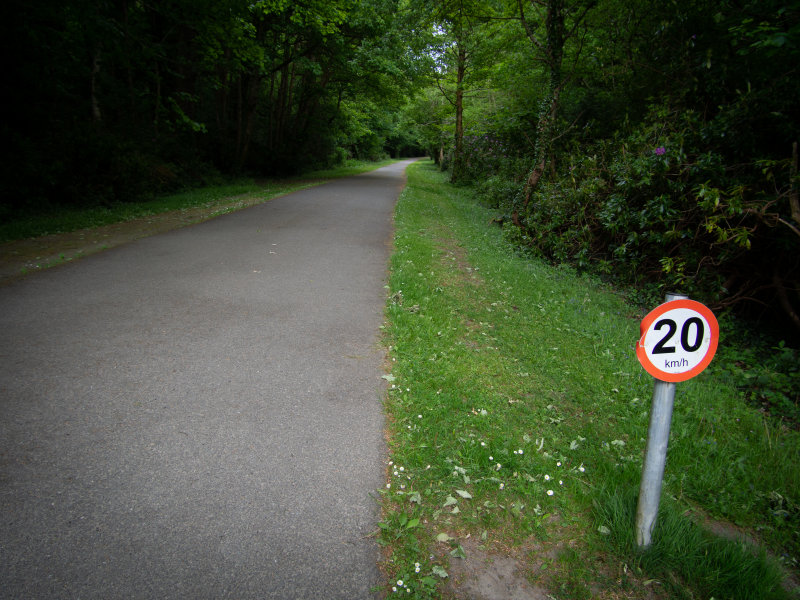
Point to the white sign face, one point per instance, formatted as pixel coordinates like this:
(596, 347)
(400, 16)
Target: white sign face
(679, 339)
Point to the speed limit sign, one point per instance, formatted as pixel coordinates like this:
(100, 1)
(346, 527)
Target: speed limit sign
(678, 340)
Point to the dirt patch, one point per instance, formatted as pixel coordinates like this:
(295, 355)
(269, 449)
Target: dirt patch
(483, 575)
(455, 260)
(544, 570)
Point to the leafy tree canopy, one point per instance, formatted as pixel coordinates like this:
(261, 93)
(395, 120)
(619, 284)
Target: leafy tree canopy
(652, 141)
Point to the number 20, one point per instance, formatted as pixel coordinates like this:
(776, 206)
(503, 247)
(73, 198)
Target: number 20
(662, 348)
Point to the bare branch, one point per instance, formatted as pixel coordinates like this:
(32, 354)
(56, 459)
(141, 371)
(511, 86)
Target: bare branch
(444, 93)
(527, 27)
(783, 299)
(794, 196)
(568, 127)
(789, 225)
(579, 20)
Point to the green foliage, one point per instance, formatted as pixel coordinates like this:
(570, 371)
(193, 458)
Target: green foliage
(768, 375)
(429, 111)
(662, 204)
(670, 206)
(669, 162)
(121, 101)
(499, 192)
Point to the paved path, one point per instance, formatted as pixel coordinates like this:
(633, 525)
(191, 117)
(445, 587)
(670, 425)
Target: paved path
(197, 414)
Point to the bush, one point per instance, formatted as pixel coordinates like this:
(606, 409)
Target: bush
(667, 204)
(768, 374)
(499, 192)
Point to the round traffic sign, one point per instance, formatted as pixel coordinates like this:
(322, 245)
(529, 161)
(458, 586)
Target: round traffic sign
(678, 340)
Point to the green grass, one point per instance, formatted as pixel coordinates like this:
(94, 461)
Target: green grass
(685, 555)
(516, 403)
(65, 219)
(223, 198)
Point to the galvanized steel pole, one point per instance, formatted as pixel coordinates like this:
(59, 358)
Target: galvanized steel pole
(655, 456)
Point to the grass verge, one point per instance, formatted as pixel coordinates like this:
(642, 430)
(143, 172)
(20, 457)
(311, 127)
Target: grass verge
(221, 199)
(517, 415)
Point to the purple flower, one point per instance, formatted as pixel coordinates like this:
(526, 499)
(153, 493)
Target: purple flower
(661, 151)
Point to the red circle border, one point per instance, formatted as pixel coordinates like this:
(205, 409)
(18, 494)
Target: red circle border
(656, 313)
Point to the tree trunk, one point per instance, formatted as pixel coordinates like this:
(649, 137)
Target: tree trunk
(794, 196)
(222, 98)
(96, 115)
(783, 299)
(239, 102)
(157, 108)
(548, 111)
(458, 155)
(251, 104)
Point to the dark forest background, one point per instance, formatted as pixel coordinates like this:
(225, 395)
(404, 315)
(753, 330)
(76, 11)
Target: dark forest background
(651, 142)
(112, 100)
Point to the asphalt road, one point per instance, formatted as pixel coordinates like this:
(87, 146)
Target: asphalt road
(198, 414)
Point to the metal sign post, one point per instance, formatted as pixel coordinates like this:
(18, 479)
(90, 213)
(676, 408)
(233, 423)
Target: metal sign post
(679, 339)
(655, 460)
